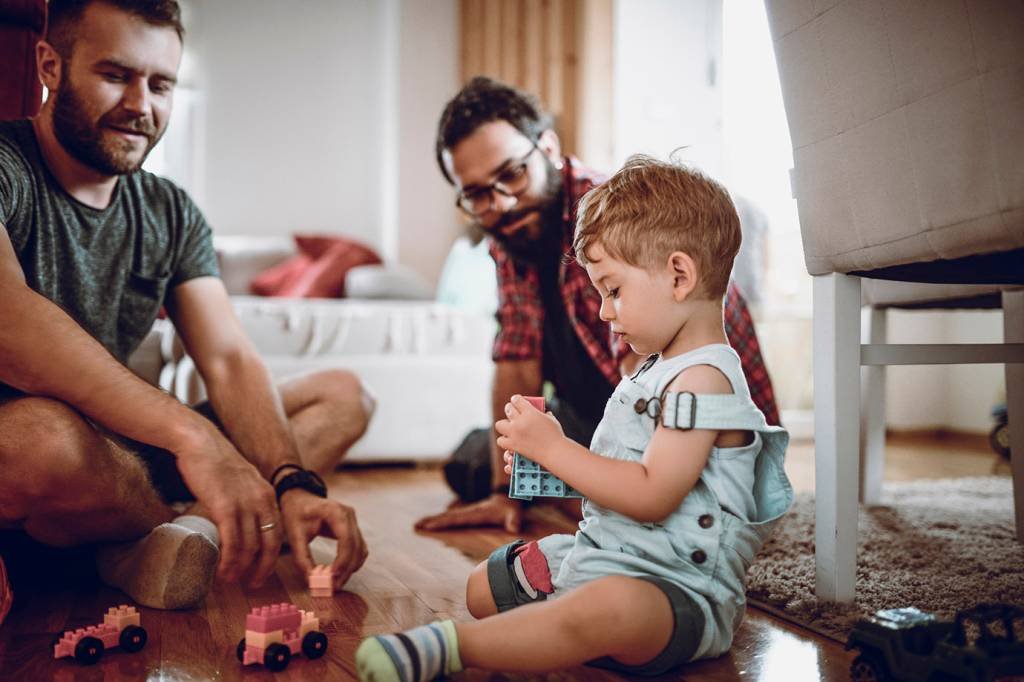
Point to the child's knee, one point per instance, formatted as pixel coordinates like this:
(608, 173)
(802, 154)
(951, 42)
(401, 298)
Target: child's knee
(479, 599)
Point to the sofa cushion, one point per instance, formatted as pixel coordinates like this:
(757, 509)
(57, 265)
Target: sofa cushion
(386, 282)
(318, 271)
(242, 257)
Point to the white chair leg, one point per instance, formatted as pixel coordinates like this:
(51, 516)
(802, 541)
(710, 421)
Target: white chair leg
(1013, 332)
(836, 433)
(872, 415)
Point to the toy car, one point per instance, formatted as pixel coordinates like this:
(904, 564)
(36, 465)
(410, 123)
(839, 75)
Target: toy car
(530, 479)
(999, 437)
(274, 633)
(120, 627)
(982, 643)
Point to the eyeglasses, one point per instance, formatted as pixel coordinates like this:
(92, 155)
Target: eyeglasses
(511, 182)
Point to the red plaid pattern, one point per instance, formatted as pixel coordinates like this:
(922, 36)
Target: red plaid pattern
(521, 312)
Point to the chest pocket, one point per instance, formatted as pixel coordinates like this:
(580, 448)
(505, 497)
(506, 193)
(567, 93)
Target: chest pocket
(633, 427)
(140, 302)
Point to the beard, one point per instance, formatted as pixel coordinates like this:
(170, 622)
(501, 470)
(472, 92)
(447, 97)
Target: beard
(548, 242)
(85, 141)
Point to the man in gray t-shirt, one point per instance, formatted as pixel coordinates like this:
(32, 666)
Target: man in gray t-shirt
(91, 248)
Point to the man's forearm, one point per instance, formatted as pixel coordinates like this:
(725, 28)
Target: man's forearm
(43, 352)
(247, 403)
(510, 377)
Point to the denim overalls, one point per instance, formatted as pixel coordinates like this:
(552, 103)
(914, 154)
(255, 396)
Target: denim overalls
(708, 543)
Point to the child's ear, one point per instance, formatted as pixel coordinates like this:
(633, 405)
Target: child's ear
(684, 275)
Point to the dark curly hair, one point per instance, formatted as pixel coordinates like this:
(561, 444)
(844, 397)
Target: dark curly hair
(481, 101)
(64, 15)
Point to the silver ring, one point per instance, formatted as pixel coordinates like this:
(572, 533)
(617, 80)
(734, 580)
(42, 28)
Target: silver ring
(267, 527)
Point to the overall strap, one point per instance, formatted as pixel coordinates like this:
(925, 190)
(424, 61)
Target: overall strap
(685, 411)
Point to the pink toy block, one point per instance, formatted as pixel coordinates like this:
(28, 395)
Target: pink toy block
(270, 618)
(122, 616)
(536, 401)
(321, 581)
(120, 627)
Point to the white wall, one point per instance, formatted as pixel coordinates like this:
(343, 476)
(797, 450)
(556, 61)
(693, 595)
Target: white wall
(666, 85)
(957, 397)
(313, 110)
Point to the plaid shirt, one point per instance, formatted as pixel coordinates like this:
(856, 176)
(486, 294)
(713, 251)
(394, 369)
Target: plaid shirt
(521, 311)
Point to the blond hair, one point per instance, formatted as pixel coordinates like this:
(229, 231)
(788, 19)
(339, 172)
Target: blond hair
(650, 209)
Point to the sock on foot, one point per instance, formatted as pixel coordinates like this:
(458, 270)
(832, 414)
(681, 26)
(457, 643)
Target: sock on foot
(170, 568)
(423, 653)
(199, 524)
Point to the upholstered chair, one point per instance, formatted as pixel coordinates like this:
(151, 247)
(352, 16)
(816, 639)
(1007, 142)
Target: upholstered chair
(907, 134)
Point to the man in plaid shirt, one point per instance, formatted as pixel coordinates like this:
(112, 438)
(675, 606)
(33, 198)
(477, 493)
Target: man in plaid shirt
(496, 146)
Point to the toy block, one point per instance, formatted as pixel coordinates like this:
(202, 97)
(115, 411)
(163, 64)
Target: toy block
(270, 618)
(536, 401)
(262, 640)
(321, 581)
(121, 616)
(309, 623)
(529, 479)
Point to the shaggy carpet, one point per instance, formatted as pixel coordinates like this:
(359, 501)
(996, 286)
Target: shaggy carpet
(939, 545)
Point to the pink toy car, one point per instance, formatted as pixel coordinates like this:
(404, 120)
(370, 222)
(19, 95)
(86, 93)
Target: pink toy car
(274, 633)
(120, 627)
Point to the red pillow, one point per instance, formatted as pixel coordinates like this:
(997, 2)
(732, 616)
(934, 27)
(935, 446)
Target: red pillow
(318, 271)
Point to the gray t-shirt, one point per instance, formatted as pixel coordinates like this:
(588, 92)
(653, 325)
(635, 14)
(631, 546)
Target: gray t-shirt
(109, 269)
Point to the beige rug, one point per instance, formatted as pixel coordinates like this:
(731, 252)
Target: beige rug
(939, 545)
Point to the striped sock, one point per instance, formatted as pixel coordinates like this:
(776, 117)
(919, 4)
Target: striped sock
(423, 653)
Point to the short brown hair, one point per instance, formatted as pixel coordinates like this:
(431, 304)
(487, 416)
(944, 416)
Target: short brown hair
(650, 209)
(64, 16)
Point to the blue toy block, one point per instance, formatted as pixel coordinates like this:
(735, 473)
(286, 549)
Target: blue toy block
(530, 480)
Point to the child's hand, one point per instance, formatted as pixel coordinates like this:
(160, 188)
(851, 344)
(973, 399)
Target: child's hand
(527, 431)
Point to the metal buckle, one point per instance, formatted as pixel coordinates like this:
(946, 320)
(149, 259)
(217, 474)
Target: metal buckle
(693, 410)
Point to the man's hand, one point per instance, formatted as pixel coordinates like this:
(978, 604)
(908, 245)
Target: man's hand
(306, 516)
(238, 500)
(527, 430)
(496, 510)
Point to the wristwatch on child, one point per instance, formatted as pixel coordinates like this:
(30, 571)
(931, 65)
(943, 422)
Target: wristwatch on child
(300, 478)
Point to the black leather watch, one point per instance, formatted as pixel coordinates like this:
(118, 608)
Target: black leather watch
(301, 478)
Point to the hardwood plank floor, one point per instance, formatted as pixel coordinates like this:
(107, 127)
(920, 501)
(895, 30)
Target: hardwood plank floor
(410, 579)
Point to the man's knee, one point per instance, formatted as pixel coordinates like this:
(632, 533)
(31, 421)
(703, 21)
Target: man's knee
(44, 445)
(344, 389)
(479, 599)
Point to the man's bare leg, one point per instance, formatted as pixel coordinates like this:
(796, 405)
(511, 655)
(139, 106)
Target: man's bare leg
(66, 484)
(70, 485)
(328, 412)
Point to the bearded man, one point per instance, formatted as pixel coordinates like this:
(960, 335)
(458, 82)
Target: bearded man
(496, 146)
(91, 248)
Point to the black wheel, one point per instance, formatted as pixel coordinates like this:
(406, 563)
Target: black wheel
(240, 649)
(999, 439)
(88, 650)
(132, 638)
(314, 644)
(276, 657)
(868, 668)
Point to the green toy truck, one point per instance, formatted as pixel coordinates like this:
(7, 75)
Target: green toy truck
(982, 643)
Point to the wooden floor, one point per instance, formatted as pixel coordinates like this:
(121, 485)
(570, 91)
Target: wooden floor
(411, 579)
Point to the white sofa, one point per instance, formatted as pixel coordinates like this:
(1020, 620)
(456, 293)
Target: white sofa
(427, 363)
